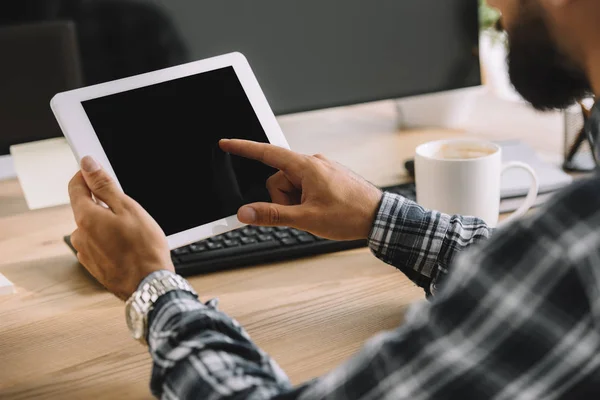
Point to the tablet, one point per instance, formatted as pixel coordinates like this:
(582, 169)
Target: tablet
(157, 134)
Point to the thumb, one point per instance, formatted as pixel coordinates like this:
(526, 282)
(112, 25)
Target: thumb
(100, 183)
(268, 214)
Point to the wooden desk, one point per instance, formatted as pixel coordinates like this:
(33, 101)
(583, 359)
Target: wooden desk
(62, 336)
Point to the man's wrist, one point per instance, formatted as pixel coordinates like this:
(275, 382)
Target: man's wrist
(371, 202)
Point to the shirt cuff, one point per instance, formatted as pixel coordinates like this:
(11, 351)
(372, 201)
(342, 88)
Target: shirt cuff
(381, 232)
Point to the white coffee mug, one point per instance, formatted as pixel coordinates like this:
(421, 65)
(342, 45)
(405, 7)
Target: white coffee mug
(462, 176)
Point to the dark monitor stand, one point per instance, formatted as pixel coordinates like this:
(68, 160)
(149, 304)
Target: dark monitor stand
(38, 61)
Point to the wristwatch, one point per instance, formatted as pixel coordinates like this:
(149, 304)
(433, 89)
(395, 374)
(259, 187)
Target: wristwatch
(141, 302)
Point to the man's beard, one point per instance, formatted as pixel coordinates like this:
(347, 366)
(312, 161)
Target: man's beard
(540, 72)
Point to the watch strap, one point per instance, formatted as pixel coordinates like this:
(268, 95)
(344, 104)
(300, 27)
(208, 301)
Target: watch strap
(150, 290)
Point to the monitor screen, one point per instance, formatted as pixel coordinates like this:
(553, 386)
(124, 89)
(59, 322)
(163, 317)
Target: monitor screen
(38, 60)
(162, 142)
(306, 54)
(313, 54)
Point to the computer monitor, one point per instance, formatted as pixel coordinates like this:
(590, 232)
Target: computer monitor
(311, 54)
(307, 54)
(38, 60)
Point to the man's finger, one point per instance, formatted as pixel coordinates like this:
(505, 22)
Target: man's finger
(282, 191)
(274, 156)
(86, 261)
(268, 214)
(76, 240)
(81, 199)
(101, 184)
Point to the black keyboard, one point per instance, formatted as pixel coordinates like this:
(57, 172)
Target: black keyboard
(258, 245)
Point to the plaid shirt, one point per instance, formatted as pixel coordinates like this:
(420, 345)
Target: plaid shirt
(518, 317)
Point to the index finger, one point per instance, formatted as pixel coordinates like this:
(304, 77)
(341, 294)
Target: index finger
(81, 198)
(285, 160)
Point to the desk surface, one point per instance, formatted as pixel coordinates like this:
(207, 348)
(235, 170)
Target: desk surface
(62, 336)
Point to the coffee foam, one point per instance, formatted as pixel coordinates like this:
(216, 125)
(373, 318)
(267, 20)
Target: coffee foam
(458, 151)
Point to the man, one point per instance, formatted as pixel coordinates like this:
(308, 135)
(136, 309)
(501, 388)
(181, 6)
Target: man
(518, 316)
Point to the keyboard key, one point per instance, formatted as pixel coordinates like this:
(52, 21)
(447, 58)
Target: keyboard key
(196, 247)
(216, 239)
(296, 232)
(214, 246)
(247, 231)
(407, 190)
(248, 240)
(265, 238)
(233, 234)
(282, 235)
(289, 241)
(232, 243)
(181, 250)
(281, 228)
(229, 252)
(265, 229)
(306, 239)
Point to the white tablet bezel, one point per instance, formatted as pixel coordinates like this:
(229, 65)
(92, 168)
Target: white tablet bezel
(82, 138)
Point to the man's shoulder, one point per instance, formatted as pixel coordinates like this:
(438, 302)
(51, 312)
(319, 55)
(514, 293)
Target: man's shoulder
(580, 199)
(571, 216)
(562, 237)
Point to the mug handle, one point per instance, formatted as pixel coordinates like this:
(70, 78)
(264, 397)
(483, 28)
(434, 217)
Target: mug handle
(533, 190)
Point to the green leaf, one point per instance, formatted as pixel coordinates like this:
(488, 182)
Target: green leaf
(488, 16)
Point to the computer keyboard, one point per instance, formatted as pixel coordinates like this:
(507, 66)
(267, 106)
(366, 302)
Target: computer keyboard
(259, 245)
(252, 245)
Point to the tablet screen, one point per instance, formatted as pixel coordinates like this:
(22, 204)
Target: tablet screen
(162, 142)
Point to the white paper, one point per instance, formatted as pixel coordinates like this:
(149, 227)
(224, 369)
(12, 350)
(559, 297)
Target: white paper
(513, 203)
(44, 170)
(6, 286)
(516, 182)
(7, 168)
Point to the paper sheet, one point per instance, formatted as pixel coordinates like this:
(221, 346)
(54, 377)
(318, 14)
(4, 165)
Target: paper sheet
(44, 170)
(7, 168)
(516, 182)
(6, 286)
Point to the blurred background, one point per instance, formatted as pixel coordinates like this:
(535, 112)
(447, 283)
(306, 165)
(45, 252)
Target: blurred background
(306, 54)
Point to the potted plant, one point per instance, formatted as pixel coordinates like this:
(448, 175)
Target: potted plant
(493, 53)
(488, 18)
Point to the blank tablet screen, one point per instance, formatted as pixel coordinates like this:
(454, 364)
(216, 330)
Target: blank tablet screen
(162, 142)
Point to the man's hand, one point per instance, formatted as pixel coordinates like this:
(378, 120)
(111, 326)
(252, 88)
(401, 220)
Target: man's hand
(310, 193)
(119, 245)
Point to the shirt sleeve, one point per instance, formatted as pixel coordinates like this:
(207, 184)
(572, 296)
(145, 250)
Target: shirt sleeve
(199, 352)
(516, 319)
(422, 243)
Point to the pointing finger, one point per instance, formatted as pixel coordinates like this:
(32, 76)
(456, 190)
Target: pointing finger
(274, 156)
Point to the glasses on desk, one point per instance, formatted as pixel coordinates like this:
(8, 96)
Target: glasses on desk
(582, 136)
(592, 130)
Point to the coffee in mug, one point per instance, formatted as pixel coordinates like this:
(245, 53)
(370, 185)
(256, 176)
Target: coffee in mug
(459, 150)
